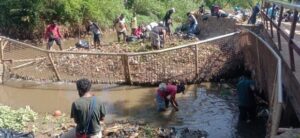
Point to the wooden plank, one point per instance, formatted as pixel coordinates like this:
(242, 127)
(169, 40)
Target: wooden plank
(54, 67)
(279, 24)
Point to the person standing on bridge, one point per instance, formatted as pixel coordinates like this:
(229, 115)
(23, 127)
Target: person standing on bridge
(87, 112)
(162, 100)
(52, 33)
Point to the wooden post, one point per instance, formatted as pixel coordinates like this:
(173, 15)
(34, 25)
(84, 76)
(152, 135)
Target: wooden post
(3, 44)
(279, 23)
(127, 74)
(54, 67)
(267, 18)
(292, 34)
(271, 25)
(1, 53)
(196, 64)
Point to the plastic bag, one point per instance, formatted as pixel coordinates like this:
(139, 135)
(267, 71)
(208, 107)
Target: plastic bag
(6, 133)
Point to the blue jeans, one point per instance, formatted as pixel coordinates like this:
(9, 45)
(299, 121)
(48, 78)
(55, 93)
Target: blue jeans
(192, 28)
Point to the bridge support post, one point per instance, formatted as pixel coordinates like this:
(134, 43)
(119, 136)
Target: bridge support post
(279, 23)
(272, 18)
(126, 69)
(291, 45)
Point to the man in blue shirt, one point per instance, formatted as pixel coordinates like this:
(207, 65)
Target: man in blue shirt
(245, 89)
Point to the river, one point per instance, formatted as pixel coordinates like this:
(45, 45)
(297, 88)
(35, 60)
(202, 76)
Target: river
(207, 111)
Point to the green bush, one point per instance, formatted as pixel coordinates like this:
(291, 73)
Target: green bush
(26, 19)
(16, 119)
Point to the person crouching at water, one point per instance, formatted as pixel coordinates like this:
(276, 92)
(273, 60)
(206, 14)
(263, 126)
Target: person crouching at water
(162, 99)
(158, 36)
(87, 112)
(52, 33)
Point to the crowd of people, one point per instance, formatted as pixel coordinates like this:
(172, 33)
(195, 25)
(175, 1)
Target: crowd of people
(156, 31)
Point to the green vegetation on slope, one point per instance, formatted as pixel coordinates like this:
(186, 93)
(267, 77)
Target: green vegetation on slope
(26, 19)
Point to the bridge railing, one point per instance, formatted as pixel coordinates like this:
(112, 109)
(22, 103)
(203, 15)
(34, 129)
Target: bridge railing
(271, 23)
(182, 62)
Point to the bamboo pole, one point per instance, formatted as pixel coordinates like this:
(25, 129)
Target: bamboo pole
(23, 65)
(54, 67)
(196, 60)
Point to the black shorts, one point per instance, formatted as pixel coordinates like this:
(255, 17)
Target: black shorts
(51, 41)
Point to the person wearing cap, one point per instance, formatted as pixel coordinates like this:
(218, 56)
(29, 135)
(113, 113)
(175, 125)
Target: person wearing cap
(52, 34)
(158, 36)
(95, 29)
(162, 100)
(168, 20)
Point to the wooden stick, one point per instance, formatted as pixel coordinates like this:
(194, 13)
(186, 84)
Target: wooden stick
(23, 65)
(54, 67)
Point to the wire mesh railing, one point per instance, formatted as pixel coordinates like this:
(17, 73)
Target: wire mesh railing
(203, 59)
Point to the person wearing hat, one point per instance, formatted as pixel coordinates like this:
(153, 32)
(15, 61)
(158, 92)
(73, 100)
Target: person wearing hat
(168, 20)
(162, 100)
(52, 34)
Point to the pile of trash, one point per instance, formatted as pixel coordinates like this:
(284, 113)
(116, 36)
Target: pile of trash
(133, 130)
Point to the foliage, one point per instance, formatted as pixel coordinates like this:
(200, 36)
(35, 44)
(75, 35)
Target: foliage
(16, 119)
(26, 19)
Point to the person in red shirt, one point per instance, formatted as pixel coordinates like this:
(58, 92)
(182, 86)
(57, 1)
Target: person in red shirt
(163, 92)
(52, 33)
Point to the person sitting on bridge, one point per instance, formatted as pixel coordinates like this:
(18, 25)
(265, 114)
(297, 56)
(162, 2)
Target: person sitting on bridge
(245, 91)
(52, 33)
(162, 99)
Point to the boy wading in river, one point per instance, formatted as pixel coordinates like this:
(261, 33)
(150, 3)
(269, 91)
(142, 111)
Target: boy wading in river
(162, 99)
(53, 34)
(87, 112)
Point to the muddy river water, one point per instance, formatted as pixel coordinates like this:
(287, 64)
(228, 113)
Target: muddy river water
(197, 109)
